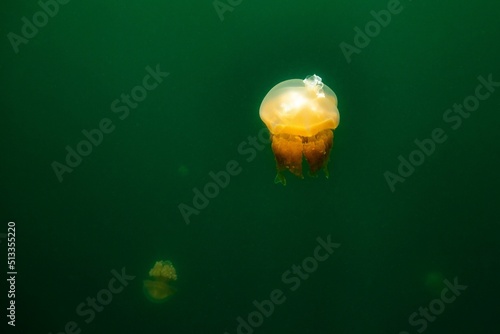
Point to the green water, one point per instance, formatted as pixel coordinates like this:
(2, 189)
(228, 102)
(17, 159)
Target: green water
(364, 251)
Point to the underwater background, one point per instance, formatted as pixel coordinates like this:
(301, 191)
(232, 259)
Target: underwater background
(401, 238)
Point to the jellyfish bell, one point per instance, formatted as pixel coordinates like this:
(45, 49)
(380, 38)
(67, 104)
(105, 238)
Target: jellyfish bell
(300, 107)
(157, 291)
(301, 116)
(157, 288)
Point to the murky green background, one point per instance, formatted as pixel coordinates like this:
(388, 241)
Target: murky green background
(119, 207)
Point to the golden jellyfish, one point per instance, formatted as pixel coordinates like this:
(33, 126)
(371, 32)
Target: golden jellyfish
(301, 116)
(157, 288)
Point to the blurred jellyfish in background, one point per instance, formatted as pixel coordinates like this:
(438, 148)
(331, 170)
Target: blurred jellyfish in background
(157, 288)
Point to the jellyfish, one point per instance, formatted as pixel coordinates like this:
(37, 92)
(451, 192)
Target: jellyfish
(157, 289)
(301, 116)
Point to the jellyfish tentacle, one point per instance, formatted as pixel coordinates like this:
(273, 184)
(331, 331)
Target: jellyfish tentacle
(288, 153)
(317, 151)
